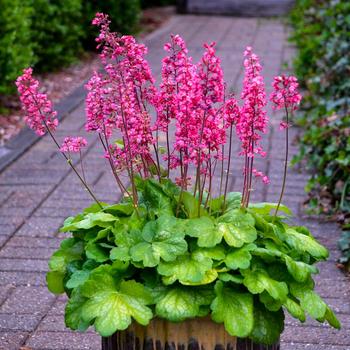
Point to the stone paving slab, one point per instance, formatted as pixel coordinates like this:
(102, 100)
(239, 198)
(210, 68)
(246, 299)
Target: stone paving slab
(37, 192)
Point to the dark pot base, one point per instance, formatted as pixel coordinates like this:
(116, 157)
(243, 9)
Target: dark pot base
(198, 334)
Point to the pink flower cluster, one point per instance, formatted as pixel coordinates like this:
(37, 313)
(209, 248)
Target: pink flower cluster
(188, 93)
(253, 119)
(191, 96)
(285, 92)
(73, 144)
(129, 81)
(39, 114)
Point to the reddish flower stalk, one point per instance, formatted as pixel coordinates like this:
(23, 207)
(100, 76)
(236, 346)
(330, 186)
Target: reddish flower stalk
(285, 95)
(41, 117)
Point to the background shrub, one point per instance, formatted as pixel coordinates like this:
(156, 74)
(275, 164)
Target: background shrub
(49, 34)
(152, 3)
(124, 14)
(56, 32)
(16, 49)
(322, 35)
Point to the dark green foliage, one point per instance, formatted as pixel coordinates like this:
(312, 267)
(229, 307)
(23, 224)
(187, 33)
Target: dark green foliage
(344, 246)
(322, 35)
(124, 14)
(51, 34)
(243, 267)
(56, 32)
(16, 51)
(154, 3)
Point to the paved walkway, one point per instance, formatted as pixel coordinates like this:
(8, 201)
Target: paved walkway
(37, 192)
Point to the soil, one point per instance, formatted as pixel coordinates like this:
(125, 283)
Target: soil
(58, 85)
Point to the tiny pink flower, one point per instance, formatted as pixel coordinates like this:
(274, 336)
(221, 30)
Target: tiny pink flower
(73, 144)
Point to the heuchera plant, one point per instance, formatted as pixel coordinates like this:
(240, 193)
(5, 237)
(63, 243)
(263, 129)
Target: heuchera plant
(188, 248)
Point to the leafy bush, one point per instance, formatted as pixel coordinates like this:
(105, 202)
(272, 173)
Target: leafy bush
(124, 14)
(16, 51)
(322, 34)
(154, 3)
(57, 32)
(244, 260)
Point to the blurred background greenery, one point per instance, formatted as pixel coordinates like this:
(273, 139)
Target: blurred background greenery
(51, 34)
(322, 36)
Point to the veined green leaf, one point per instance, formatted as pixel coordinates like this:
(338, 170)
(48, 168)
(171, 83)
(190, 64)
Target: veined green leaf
(179, 303)
(294, 308)
(236, 234)
(187, 268)
(205, 230)
(73, 318)
(240, 258)
(234, 309)
(305, 244)
(70, 250)
(163, 238)
(111, 304)
(268, 325)
(88, 221)
(265, 208)
(310, 302)
(258, 281)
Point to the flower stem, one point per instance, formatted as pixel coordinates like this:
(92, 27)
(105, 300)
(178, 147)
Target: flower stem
(69, 161)
(285, 163)
(228, 166)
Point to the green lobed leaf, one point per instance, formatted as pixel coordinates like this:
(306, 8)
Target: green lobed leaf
(298, 269)
(258, 281)
(111, 304)
(54, 280)
(268, 325)
(191, 204)
(179, 303)
(294, 308)
(187, 269)
(163, 238)
(156, 199)
(240, 258)
(205, 230)
(305, 244)
(265, 208)
(88, 221)
(310, 302)
(234, 309)
(70, 250)
(72, 317)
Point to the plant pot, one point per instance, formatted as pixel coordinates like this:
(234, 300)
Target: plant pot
(194, 334)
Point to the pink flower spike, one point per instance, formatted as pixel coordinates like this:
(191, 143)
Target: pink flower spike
(37, 107)
(285, 92)
(73, 144)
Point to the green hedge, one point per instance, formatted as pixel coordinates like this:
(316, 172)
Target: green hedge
(124, 14)
(16, 49)
(57, 32)
(49, 34)
(322, 35)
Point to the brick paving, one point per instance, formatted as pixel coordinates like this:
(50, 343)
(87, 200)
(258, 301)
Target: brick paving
(37, 192)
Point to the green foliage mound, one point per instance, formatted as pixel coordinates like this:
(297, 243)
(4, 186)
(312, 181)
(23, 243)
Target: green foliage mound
(244, 267)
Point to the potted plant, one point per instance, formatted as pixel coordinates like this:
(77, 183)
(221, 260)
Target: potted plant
(179, 262)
